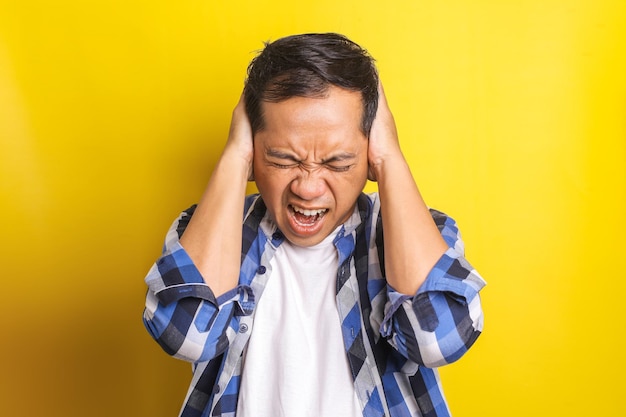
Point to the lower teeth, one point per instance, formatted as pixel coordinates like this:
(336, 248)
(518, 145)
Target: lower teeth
(301, 218)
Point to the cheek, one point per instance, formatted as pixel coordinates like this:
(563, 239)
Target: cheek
(359, 177)
(347, 189)
(270, 184)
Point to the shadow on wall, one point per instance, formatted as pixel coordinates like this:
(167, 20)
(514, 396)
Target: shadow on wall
(93, 359)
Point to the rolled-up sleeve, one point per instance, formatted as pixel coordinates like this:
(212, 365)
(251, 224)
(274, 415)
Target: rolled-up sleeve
(439, 323)
(181, 313)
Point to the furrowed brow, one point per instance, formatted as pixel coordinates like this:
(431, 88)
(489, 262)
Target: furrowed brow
(274, 153)
(339, 158)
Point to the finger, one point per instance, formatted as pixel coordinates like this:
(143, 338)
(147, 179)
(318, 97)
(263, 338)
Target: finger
(382, 98)
(381, 92)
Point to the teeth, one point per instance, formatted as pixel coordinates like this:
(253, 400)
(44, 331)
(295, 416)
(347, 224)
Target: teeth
(309, 212)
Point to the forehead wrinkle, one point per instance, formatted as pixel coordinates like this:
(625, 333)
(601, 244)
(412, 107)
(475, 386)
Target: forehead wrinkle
(293, 155)
(315, 130)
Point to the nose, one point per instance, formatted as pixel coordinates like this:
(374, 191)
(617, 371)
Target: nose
(308, 185)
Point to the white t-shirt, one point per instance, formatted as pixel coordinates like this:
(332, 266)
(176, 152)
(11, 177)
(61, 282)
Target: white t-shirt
(295, 364)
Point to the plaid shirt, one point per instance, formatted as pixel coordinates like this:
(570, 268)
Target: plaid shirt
(393, 341)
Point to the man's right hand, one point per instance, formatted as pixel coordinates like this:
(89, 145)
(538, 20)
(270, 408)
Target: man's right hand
(240, 136)
(213, 237)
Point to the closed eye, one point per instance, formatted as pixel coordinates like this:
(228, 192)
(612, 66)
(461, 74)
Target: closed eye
(336, 168)
(283, 166)
(341, 162)
(281, 160)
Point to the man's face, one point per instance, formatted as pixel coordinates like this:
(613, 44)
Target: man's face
(310, 163)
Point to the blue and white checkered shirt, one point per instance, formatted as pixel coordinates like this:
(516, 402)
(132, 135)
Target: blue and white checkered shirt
(393, 341)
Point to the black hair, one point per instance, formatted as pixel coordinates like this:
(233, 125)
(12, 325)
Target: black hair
(306, 66)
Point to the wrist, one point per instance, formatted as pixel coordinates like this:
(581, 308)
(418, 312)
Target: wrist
(235, 164)
(385, 167)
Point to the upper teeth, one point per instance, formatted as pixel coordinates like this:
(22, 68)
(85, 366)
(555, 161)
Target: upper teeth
(309, 212)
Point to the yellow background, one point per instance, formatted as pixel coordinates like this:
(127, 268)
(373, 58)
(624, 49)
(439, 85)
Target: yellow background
(512, 114)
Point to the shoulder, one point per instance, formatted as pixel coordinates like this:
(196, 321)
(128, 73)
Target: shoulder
(253, 205)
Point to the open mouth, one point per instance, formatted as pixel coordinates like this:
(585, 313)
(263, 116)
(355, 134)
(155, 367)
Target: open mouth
(305, 217)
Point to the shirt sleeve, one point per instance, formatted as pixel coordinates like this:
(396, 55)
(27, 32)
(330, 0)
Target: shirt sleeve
(181, 313)
(439, 323)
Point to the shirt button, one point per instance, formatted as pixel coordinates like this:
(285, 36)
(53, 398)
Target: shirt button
(216, 389)
(261, 270)
(277, 236)
(243, 328)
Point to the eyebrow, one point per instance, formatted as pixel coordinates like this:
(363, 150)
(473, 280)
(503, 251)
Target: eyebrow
(281, 155)
(343, 156)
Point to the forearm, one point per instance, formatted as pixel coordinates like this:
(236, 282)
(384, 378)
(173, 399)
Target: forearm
(213, 237)
(412, 242)
(438, 324)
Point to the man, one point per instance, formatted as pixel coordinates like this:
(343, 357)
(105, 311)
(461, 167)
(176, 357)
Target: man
(307, 309)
